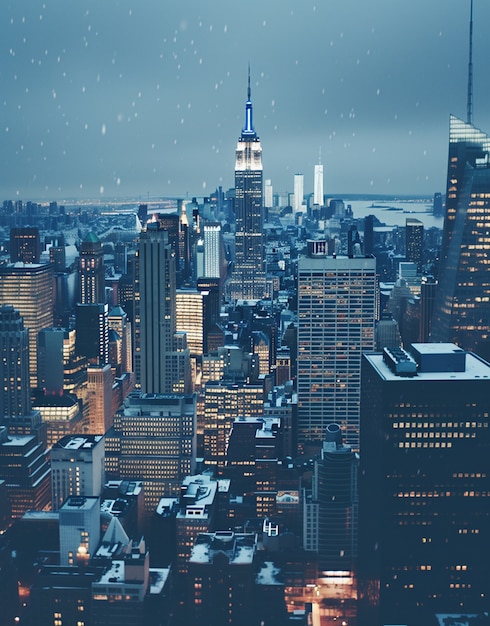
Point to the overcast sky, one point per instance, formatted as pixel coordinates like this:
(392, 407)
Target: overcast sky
(115, 98)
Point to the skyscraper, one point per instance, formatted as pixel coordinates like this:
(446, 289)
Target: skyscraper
(213, 250)
(318, 185)
(336, 492)
(248, 281)
(423, 484)
(336, 310)
(462, 306)
(15, 400)
(299, 195)
(29, 287)
(161, 365)
(92, 286)
(414, 239)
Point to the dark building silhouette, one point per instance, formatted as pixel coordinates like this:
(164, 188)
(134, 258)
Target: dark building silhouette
(414, 242)
(336, 492)
(92, 338)
(25, 245)
(368, 234)
(423, 483)
(91, 272)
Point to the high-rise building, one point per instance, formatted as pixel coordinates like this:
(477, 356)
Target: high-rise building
(268, 194)
(161, 359)
(190, 317)
(24, 468)
(91, 271)
(25, 245)
(119, 322)
(336, 310)
(223, 403)
(99, 391)
(154, 440)
(92, 337)
(462, 306)
(414, 239)
(248, 281)
(77, 467)
(423, 484)
(50, 365)
(337, 496)
(213, 251)
(318, 185)
(29, 287)
(299, 194)
(15, 399)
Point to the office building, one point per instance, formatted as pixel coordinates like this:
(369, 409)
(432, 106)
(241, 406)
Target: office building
(24, 468)
(268, 194)
(119, 322)
(223, 403)
(336, 311)
(222, 578)
(61, 415)
(25, 245)
(248, 281)
(77, 467)
(318, 185)
(414, 242)
(213, 251)
(79, 529)
(423, 484)
(153, 440)
(337, 496)
(15, 398)
(462, 306)
(29, 287)
(50, 363)
(92, 336)
(91, 271)
(190, 318)
(99, 391)
(161, 358)
(196, 513)
(299, 194)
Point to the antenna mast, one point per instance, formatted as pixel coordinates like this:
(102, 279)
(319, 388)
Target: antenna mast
(469, 103)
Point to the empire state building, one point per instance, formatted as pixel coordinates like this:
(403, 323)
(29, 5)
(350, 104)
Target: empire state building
(248, 281)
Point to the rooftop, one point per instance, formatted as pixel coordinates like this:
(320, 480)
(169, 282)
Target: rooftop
(475, 368)
(239, 548)
(78, 442)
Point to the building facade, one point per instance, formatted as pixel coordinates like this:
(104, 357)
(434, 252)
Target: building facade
(423, 484)
(248, 280)
(336, 309)
(29, 287)
(462, 305)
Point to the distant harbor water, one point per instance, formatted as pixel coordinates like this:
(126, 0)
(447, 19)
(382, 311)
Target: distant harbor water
(394, 213)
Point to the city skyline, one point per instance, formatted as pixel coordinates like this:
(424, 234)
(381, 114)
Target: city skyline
(105, 101)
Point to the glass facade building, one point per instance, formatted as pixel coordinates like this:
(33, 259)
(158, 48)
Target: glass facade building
(462, 306)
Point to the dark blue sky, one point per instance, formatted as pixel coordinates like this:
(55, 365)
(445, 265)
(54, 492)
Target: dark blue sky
(106, 98)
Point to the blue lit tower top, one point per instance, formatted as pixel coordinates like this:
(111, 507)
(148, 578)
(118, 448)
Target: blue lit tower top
(248, 131)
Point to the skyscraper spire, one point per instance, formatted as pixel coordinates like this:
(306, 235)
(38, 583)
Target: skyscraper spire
(248, 131)
(469, 103)
(249, 91)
